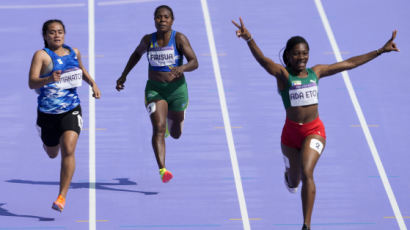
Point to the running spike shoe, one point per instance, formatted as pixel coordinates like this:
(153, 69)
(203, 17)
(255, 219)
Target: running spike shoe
(59, 204)
(166, 175)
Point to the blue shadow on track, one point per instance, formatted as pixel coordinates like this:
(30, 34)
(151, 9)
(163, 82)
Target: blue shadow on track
(86, 185)
(5, 212)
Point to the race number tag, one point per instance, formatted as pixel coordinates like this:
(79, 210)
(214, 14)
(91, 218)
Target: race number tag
(303, 95)
(161, 56)
(70, 79)
(316, 145)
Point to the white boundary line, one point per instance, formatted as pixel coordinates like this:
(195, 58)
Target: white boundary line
(42, 6)
(91, 109)
(362, 119)
(225, 115)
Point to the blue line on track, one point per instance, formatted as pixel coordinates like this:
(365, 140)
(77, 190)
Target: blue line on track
(330, 224)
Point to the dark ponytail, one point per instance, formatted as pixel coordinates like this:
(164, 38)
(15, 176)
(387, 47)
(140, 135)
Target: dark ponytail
(45, 28)
(290, 44)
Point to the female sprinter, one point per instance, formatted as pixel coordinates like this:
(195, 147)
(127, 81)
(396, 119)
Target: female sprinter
(166, 93)
(303, 136)
(55, 73)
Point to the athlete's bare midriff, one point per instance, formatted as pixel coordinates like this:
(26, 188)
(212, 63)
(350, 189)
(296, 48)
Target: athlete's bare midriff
(162, 76)
(302, 114)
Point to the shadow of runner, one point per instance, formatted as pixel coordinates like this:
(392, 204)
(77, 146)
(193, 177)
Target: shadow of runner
(86, 185)
(5, 212)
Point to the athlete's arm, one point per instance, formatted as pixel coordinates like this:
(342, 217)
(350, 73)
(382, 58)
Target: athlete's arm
(133, 60)
(353, 62)
(185, 47)
(39, 60)
(86, 76)
(270, 66)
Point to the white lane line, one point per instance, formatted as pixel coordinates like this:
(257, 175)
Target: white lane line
(123, 2)
(362, 119)
(39, 6)
(225, 115)
(91, 109)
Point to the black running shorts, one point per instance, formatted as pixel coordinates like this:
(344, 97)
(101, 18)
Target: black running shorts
(52, 126)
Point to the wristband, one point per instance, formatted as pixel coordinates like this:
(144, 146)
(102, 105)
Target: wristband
(250, 39)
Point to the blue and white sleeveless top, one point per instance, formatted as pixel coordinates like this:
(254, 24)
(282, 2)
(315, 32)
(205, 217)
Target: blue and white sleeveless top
(60, 97)
(163, 58)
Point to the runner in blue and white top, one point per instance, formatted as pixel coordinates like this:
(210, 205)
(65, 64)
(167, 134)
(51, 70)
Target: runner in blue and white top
(61, 96)
(55, 73)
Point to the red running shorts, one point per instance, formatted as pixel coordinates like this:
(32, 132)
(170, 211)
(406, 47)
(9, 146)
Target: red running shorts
(293, 133)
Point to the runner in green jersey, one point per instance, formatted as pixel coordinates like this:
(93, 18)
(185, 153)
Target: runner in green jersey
(303, 136)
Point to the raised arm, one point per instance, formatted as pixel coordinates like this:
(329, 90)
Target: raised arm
(353, 62)
(270, 66)
(86, 76)
(133, 60)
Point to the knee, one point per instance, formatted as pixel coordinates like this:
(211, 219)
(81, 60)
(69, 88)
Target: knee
(307, 175)
(159, 129)
(176, 134)
(52, 155)
(292, 179)
(67, 150)
(52, 152)
(68, 143)
(308, 181)
(176, 128)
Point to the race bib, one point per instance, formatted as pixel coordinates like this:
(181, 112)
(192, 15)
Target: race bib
(70, 79)
(301, 95)
(161, 56)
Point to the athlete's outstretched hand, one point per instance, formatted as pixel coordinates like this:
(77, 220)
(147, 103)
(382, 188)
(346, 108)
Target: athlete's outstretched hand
(120, 83)
(242, 32)
(390, 45)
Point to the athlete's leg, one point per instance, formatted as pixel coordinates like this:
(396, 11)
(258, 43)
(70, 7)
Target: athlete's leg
(293, 166)
(158, 120)
(68, 143)
(50, 139)
(178, 102)
(176, 123)
(311, 150)
(52, 151)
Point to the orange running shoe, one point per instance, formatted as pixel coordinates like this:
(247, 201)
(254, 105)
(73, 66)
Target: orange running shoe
(166, 175)
(59, 204)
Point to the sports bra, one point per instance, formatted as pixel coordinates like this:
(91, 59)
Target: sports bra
(300, 91)
(163, 58)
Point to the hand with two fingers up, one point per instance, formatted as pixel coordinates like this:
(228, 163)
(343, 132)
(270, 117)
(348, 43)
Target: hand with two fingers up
(242, 32)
